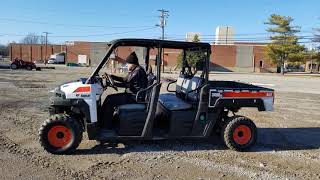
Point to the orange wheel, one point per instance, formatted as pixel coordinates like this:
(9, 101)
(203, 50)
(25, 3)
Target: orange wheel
(59, 136)
(239, 133)
(242, 134)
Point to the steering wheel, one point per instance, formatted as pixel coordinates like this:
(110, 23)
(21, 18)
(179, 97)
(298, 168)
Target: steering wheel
(109, 81)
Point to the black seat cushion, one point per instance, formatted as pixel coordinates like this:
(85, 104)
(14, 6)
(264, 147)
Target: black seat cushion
(171, 102)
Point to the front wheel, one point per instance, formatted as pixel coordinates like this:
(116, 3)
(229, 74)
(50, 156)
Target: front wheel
(29, 68)
(239, 133)
(61, 134)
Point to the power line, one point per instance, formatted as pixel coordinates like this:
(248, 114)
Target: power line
(301, 39)
(109, 34)
(89, 35)
(71, 25)
(84, 11)
(213, 35)
(170, 37)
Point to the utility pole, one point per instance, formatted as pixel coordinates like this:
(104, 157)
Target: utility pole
(227, 32)
(311, 59)
(45, 57)
(163, 15)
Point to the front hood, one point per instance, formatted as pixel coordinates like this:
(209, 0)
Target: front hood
(61, 89)
(70, 86)
(78, 89)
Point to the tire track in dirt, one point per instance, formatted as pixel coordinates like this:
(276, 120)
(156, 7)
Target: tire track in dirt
(15, 112)
(28, 155)
(37, 161)
(52, 162)
(31, 155)
(218, 162)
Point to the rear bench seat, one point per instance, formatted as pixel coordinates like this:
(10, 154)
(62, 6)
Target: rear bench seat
(186, 94)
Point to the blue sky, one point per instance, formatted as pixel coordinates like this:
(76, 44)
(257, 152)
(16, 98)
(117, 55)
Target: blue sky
(106, 20)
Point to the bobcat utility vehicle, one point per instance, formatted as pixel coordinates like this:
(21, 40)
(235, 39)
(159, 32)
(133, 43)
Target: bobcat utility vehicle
(195, 108)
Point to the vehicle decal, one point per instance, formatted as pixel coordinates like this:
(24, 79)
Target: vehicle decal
(266, 96)
(83, 89)
(247, 94)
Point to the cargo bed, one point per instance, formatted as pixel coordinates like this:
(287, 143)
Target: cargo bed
(234, 85)
(236, 95)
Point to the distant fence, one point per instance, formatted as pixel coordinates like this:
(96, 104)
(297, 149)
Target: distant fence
(34, 52)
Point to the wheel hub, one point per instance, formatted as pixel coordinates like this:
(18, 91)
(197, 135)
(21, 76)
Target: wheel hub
(242, 134)
(59, 136)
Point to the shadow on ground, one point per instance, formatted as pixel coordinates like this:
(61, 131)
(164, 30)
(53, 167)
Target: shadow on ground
(216, 67)
(269, 139)
(282, 139)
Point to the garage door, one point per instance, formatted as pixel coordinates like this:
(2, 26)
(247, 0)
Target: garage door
(82, 59)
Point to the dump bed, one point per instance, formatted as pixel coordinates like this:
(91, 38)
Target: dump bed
(235, 95)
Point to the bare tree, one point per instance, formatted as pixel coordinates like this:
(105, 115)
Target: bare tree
(31, 38)
(316, 53)
(316, 38)
(4, 51)
(43, 39)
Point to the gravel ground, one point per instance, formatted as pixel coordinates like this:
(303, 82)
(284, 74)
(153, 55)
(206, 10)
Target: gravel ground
(288, 143)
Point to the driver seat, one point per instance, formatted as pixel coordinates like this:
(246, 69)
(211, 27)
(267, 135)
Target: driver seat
(132, 117)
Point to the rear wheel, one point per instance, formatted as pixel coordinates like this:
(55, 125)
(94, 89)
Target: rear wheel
(61, 134)
(13, 66)
(239, 133)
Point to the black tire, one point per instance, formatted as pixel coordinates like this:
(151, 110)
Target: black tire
(61, 134)
(239, 133)
(14, 66)
(29, 68)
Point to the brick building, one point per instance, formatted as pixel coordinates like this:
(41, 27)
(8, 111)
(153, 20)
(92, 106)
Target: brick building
(241, 57)
(231, 58)
(238, 57)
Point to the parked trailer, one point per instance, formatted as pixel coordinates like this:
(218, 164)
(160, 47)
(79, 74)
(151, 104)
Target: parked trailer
(56, 58)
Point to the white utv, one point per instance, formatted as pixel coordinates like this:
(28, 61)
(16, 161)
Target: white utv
(196, 108)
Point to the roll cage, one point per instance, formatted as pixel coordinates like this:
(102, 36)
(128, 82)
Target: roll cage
(160, 45)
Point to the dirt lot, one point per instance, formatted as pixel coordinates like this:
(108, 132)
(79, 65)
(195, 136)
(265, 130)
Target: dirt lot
(288, 144)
